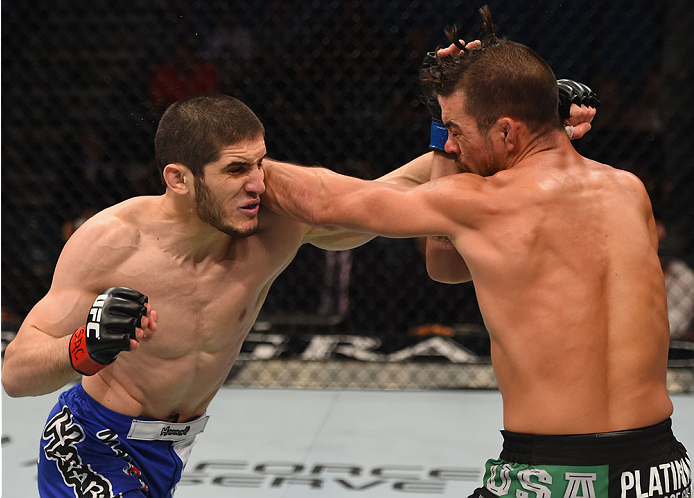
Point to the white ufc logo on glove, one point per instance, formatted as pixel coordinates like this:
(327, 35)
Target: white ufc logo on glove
(95, 316)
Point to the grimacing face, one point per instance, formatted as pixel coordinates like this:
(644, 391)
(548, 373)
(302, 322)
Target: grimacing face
(228, 197)
(474, 151)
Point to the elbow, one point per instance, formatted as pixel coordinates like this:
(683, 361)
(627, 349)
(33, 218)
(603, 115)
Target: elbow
(319, 213)
(435, 272)
(10, 385)
(320, 220)
(9, 376)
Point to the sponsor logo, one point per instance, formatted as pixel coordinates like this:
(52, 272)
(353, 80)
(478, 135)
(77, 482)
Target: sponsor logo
(168, 431)
(63, 435)
(328, 477)
(110, 438)
(671, 479)
(93, 324)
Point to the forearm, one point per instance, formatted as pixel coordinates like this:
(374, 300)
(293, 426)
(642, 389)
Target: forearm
(411, 174)
(444, 263)
(283, 181)
(302, 193)
(36, 363)
(323, 198)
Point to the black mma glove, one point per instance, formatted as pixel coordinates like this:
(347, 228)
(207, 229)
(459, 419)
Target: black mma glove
(573, 92)
(111, 324)
(429, 97)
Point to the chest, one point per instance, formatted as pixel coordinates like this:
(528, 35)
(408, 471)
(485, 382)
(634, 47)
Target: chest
(207, 305)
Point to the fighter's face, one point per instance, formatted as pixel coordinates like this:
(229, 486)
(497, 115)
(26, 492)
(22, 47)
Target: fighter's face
(228, 198)
(475, 152)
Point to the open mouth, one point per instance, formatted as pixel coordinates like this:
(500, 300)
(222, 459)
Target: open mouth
(251, 209)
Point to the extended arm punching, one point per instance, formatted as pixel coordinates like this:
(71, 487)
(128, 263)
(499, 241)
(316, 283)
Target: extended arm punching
(412, 174)
(323, 198)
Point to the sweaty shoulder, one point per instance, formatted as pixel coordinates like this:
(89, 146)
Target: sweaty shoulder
(620, 182)
(631, 183)
(561, 173)
(103, 242)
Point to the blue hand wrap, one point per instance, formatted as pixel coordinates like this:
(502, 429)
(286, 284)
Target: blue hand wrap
(438, 137)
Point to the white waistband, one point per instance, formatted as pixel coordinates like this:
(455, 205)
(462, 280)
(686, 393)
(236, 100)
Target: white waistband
(155, 430)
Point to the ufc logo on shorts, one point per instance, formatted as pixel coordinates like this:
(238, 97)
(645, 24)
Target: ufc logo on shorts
(95, 315)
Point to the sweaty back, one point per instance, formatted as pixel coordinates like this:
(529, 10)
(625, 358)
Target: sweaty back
(569, 283)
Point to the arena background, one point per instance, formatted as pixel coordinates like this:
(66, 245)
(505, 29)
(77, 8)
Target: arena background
(335, 83)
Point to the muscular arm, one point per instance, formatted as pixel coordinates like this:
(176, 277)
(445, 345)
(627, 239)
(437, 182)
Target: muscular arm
(337, 238)
(37, 360)
(323, 198)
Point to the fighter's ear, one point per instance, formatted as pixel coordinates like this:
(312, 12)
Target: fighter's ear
(507, 129)
(177, 178)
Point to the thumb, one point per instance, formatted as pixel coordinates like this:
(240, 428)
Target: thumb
(580, 130)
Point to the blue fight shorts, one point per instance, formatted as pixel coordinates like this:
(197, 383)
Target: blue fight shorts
(89, 451)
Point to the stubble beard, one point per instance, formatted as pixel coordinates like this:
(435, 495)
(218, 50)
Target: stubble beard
(491, 168)
(210, 211)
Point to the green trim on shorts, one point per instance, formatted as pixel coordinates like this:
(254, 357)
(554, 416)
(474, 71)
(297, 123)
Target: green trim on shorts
(543, 481)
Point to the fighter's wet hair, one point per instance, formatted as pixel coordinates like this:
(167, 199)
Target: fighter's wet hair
(500, 78)
(194, 130)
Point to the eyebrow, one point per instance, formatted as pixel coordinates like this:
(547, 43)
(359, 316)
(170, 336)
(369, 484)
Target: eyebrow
(450, 123)
(243, 162)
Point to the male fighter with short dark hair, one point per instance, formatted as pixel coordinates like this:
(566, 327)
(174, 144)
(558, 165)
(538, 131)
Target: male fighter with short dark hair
(562, 251)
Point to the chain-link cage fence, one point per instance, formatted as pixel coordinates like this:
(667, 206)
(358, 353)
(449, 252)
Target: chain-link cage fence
(335, 83)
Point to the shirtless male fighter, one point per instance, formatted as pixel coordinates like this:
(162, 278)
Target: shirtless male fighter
(562, 252)
(203, 255)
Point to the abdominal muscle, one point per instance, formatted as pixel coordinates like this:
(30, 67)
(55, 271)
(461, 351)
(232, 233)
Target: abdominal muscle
(179, 388)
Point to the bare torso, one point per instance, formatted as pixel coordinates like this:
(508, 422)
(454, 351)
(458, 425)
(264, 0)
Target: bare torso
(569, 283)
(205, 309)
(206, 288)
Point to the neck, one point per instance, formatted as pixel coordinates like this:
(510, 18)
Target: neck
(180, 232)
(539, 143)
